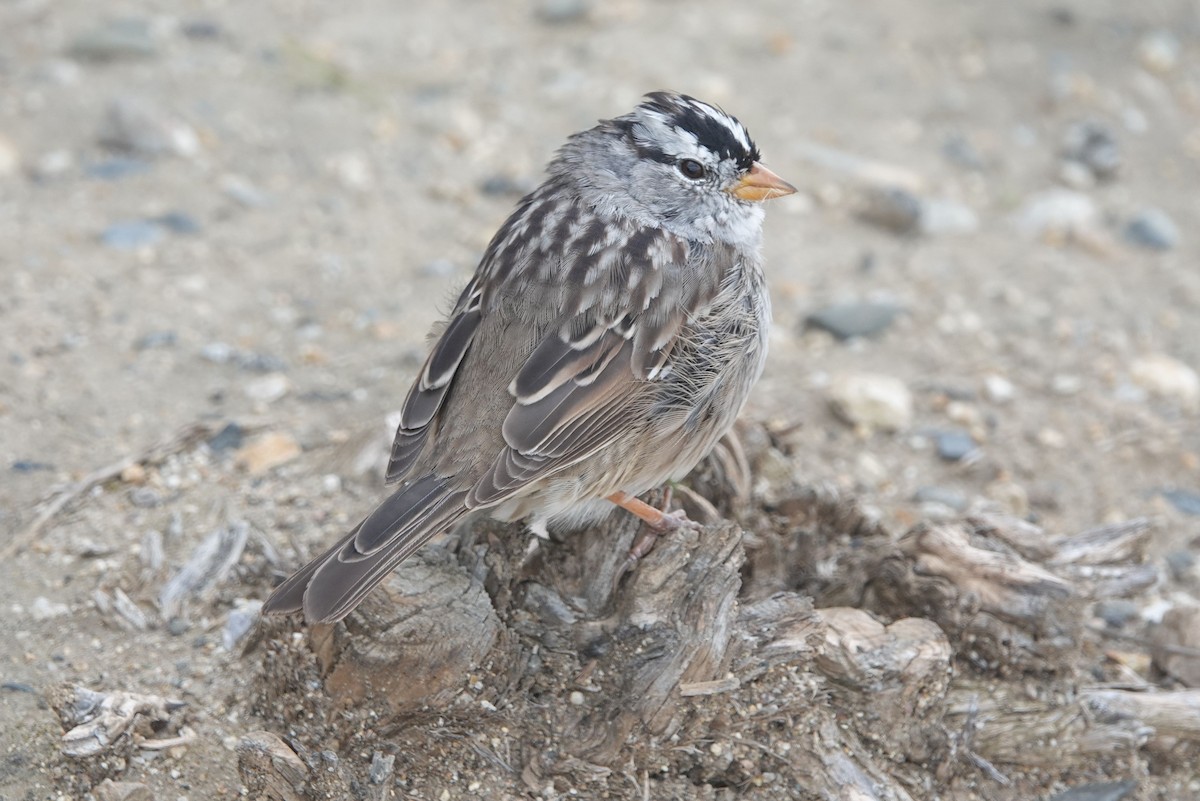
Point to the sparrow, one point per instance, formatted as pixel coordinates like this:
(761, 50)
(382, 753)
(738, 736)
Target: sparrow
(607, 340)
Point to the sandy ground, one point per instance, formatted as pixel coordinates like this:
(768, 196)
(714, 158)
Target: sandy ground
(253, 212)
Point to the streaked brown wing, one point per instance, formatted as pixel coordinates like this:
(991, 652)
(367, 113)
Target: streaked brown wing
(428, 392)
(591, 378)
(331, 585)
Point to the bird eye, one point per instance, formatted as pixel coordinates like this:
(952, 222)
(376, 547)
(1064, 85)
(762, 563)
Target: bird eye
(691, 169)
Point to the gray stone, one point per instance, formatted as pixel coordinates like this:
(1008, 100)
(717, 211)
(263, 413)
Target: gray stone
(156, 339)
(1168, 378)
(959, 151)
(1102, 791)
(145, 497)
(133, 125)
(1152, 229)
(116, 168)
(558, 12)
(241, 619)
(43, 608)
(132, 234)
(1181, 562)
(178, 222)
(897, 210)
(268, 388)
(10, 157)
(849, 320)
(1058, 214)
(954, 444)
(1116, 612)
(201, 29)
(1159, 51)
(998, 389)
(228, 438)
(941, 216)
(1183, 500)
(242, 191)
(1094, 145)
(504, 186)
(871, 400)
(945, 496)
(123, 38)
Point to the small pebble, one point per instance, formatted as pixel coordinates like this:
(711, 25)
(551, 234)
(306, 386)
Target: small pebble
(1094, 145)
(1066, 384)
(29, 466)
(1057, 215)
(959, 151)
(145, 497)
(132, 234)
(871, 401)
(116, 168)
(178, 222)
(954, 444)
(134, 126)
(242, 191)
(229, 437)
(155, 339)
(43, 608)
(268, 388)
(116, 39)
(1159, 51)
(10, 157)
(941, 216)
(134, 474)
(242, 618)
(52, 164)
(1176, 636)
(1183, 500)
(178, 626)
(849, 320)
(1076, 175)
(1116, 612)
(945, 496)
(998, 389)
(1103, 791)
(267, 451)
(201, 29)
(1167, 377)
(1051, 438)
(19, 687)
(1181, 562)
(1152, 229)
(504, 186)
(897, 210)
(558, 12)
(353, 170)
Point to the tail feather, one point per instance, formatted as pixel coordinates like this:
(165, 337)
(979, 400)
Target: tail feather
(330, 586)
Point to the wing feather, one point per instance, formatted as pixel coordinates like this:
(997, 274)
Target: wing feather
(428, 393)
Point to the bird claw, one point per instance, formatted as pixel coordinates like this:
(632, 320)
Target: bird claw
(670, 521)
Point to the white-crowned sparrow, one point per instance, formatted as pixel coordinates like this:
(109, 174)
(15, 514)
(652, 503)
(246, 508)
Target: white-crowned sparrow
(608, 339)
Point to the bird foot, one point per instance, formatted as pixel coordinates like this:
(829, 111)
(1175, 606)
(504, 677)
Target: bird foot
(658, 522)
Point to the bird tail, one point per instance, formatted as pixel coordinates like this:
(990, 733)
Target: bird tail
(330, 586)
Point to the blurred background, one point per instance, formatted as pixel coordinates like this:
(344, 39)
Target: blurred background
(217, 209)
(987, 291)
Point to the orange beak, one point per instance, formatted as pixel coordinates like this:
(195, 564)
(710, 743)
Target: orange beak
(760, 184)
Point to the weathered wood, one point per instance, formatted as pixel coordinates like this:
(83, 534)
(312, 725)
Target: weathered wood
(98, 721)
(704, 665)
(411, 644)
(269, 768)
